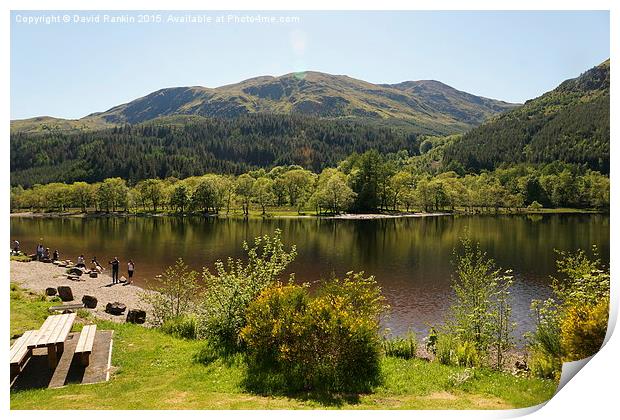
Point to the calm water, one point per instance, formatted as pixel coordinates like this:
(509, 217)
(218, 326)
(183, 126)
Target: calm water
(411, 257)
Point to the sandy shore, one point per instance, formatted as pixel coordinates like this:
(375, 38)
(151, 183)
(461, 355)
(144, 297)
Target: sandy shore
(38, 276)
(348, 216)
(371, 216)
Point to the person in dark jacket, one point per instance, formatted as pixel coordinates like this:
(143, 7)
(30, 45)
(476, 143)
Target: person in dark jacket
(115, 264)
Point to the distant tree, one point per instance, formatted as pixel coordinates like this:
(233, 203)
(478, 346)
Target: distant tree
(298, 183)
(152, 191)
(179, 199)
(401, 185)
(426, 146)
(334, 194)
(243, 189)
(203, 197)
(82, 194)
(262, 191)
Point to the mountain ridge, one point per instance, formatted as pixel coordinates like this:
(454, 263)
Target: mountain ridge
(429, 107)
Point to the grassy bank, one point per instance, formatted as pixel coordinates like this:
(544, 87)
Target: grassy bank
(152, 370)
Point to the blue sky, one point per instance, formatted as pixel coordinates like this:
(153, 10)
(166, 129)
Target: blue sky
(69, 70)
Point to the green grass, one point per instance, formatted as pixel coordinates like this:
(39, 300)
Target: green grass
(28, 310)
(152, 370)
(21, 258)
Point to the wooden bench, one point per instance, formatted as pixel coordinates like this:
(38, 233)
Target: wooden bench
(70, 307)
(20, 353)
(85, 344)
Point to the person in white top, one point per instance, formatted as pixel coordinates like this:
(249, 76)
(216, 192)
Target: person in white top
(130, 267)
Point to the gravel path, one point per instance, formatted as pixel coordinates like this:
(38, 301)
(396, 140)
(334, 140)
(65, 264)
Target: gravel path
(38, 276)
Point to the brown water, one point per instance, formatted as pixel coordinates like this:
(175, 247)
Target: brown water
(410, 257)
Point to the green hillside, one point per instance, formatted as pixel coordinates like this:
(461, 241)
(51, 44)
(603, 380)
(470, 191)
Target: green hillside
(182, 146)
(569, 123)
(425, 107)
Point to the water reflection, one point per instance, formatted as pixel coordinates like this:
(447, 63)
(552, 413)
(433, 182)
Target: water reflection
(411, 258)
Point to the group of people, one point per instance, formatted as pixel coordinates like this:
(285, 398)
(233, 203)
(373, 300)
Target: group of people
(115, 263)
(43, 253)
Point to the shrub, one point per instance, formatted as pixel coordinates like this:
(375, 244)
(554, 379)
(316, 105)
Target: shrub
(185, 326)
(329, 342)
(237, 283)
(545, 343)
(544, 365)
(207, 354)
(535, 206)
(451, 350)
(585, 280)
(481, 311)
(403, 347)
(176, 293)
(573, 324)
(583, 329)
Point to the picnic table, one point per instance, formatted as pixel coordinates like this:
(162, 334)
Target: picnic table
(52, 335)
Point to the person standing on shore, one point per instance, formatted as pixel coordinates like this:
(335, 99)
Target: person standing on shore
(40, 252)
(16, 247)
(81, 262)
(130, 267)
(56, 255)
(115, 263)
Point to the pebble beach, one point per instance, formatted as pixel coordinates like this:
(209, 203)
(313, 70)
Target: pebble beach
(37, 276)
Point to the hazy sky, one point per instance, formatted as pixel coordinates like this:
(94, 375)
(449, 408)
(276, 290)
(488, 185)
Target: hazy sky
(72, 69)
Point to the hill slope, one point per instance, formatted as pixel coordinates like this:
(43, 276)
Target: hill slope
(182, 146)
(427, 107)
(569, 123)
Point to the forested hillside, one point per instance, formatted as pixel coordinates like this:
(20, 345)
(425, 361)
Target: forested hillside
(569, 123)
(186, 146)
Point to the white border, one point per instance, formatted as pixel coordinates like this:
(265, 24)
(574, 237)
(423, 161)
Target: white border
(592, 394)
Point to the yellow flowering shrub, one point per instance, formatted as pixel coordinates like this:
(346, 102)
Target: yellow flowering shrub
(583, 329)
(327, 342)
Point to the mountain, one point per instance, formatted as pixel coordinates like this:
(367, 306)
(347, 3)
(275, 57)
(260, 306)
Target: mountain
(569, 124)
(426, 107)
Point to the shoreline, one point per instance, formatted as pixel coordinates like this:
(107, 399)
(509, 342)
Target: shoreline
(37, 276)
(275, 215)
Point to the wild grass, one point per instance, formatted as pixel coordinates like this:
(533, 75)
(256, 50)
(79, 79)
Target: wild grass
(153, 370)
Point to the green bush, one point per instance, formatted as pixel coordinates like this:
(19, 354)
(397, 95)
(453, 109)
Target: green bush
(177, 293)
(535, 206)
(181, 327)
(235, 284)
(573, 324)
(544, 365)
(545, 342)
(403, 347)
(450, 350)
(207, 354)
(328, 342)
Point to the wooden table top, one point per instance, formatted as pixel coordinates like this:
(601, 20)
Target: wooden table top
(54, 330)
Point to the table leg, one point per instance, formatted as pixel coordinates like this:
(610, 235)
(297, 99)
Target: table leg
(52, 356)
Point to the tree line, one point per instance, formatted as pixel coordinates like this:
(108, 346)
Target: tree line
(367, 182)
